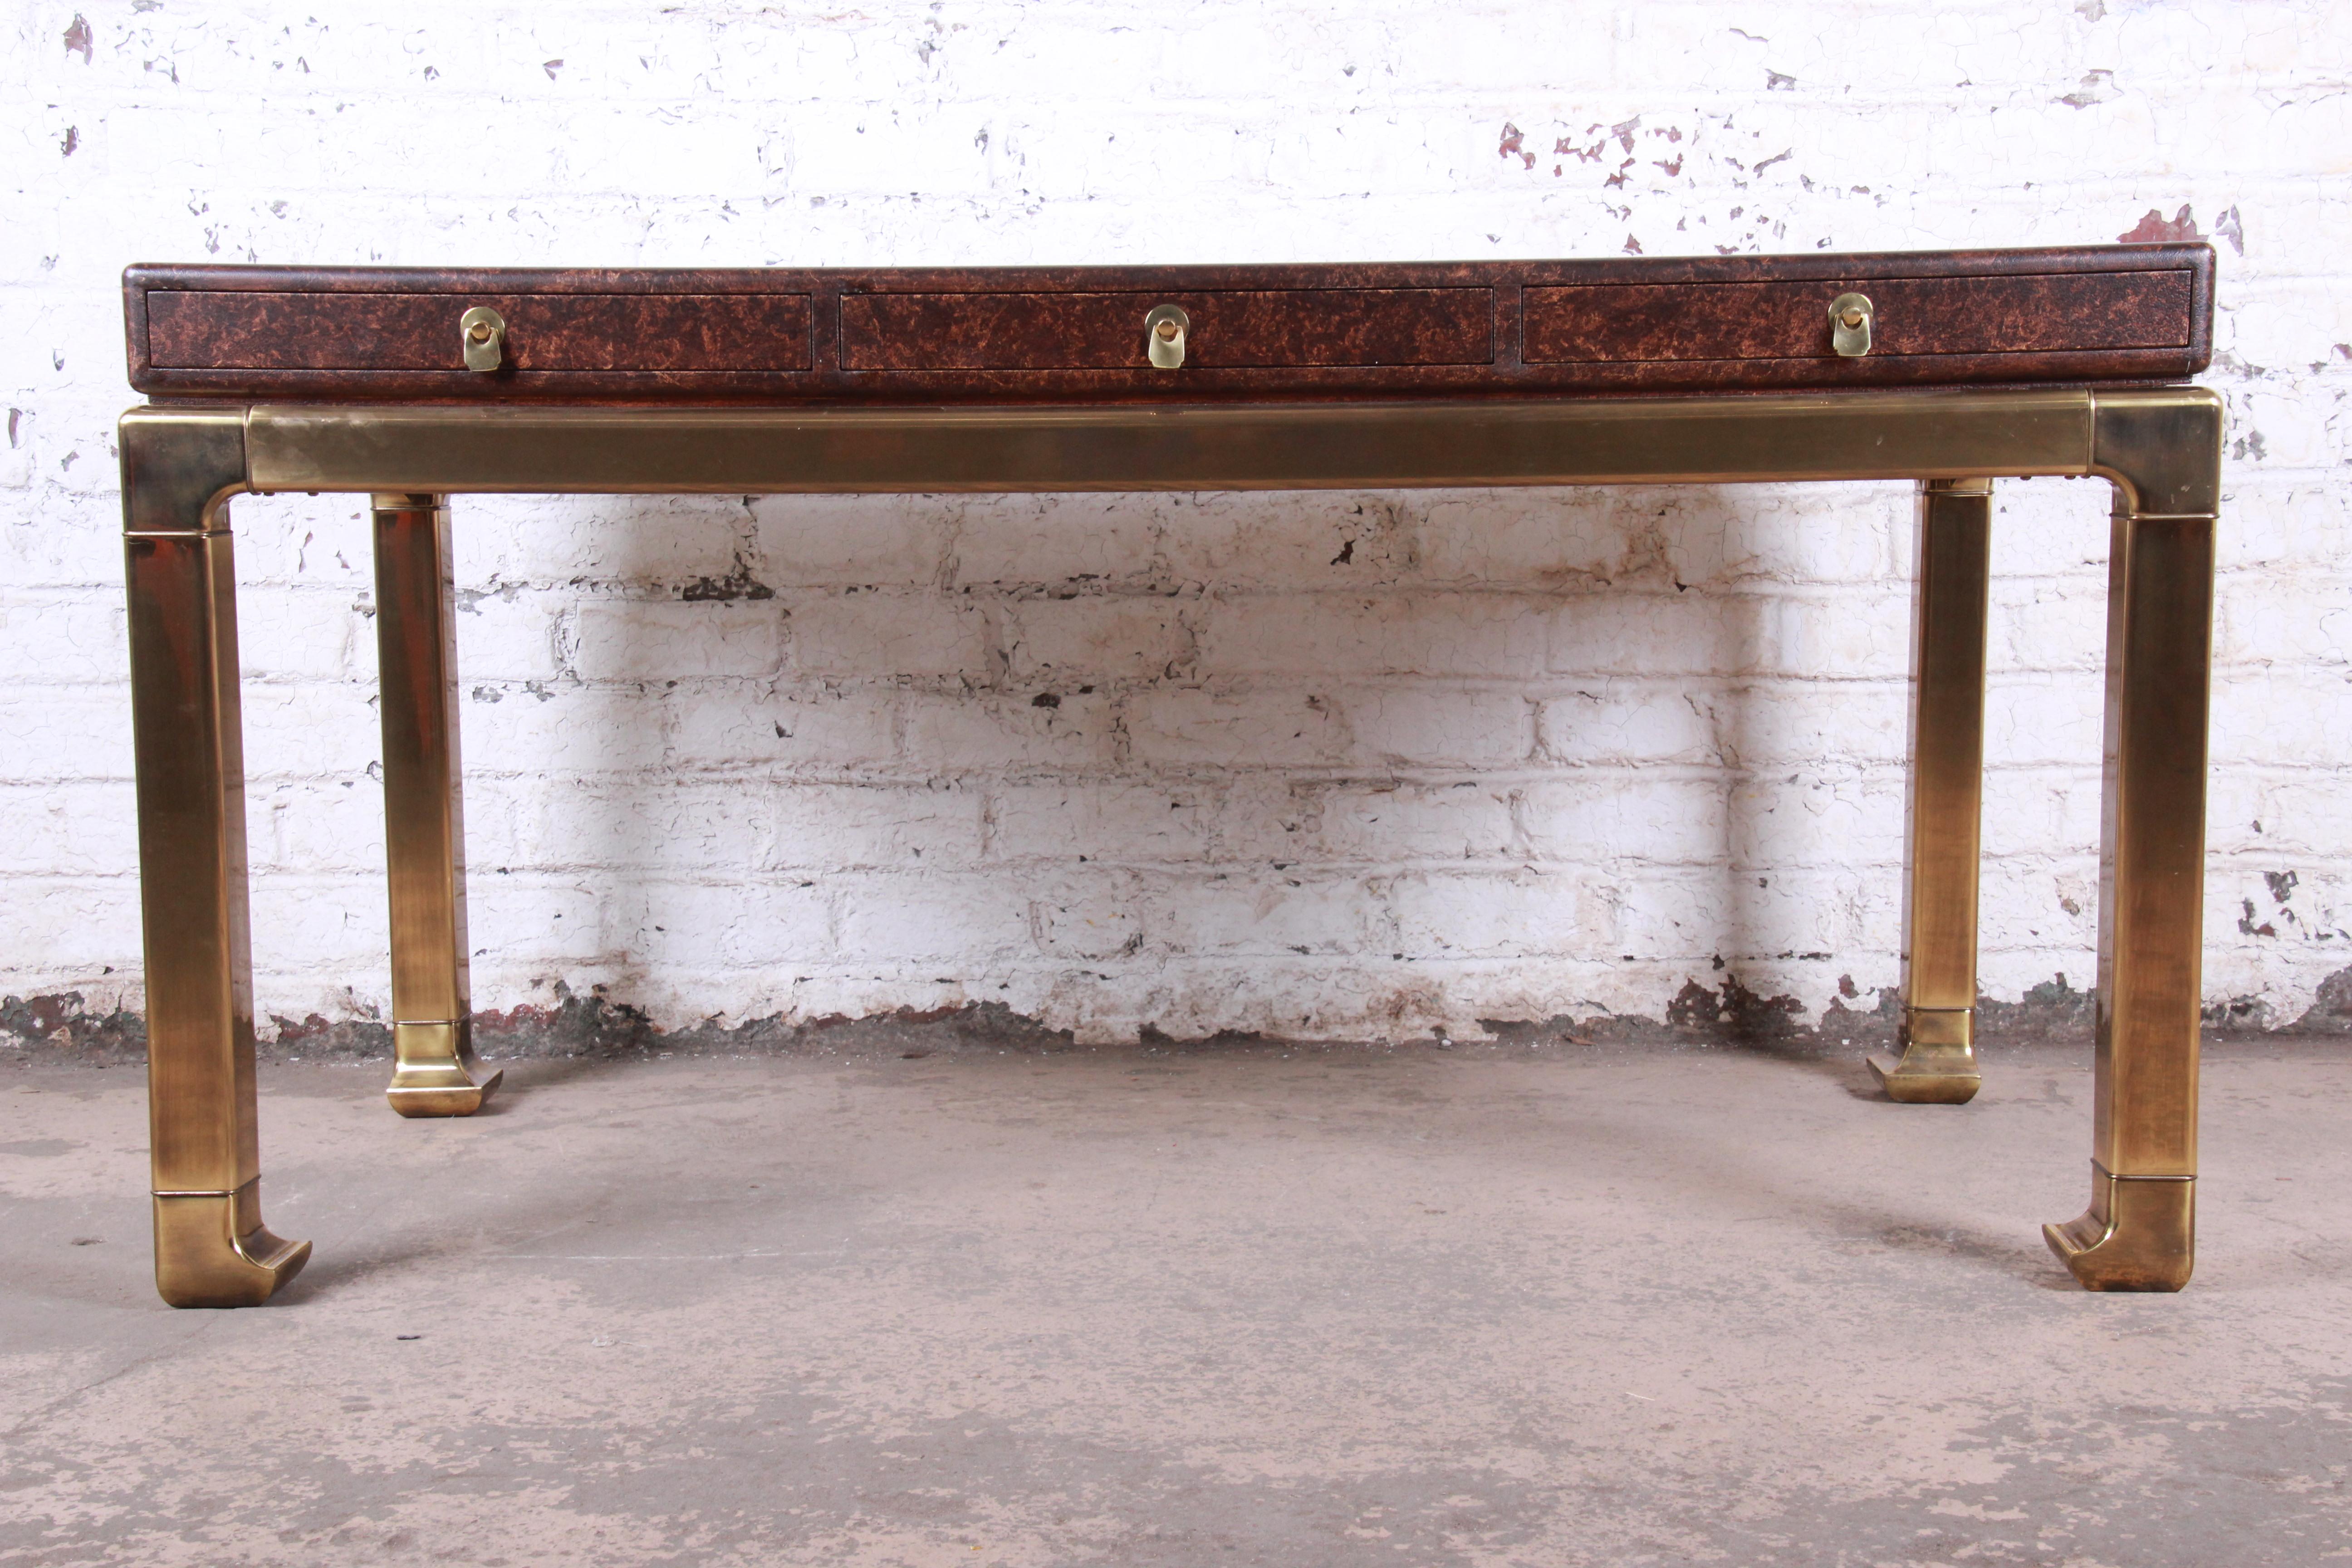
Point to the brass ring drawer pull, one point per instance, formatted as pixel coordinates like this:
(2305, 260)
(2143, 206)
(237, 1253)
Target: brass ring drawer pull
(1164, 326)
(1851, 319)
(483, 333)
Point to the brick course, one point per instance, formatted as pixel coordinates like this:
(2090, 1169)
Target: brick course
(1330, 764)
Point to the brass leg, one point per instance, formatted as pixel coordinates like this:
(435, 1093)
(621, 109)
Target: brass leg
(434, 1070)
(2163, 452)
(1938, 1064)
(211, 1248)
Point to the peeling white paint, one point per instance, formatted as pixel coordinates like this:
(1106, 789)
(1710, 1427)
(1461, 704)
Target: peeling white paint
(1322, 765)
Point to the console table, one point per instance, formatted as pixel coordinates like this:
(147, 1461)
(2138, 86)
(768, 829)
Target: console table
(1948, 369)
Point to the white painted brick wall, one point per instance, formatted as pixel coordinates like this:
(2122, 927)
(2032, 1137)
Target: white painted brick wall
(1326, 765)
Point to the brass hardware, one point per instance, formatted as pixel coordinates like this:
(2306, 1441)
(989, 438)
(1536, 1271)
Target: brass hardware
(2139, 1233)
(212, 1249)
(1164, 326)
(204, 1146)
(2161, 448)
(179, 468)
(2162, 451)
(434, 1070)
(1938, 1063)
(1297, 445)
(1851, 318)
(483, 333)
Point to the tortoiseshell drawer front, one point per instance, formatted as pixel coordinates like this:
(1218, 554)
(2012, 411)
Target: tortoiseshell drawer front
(267, 330)
(1231, 330)
(1080, 334)
(2100, 312)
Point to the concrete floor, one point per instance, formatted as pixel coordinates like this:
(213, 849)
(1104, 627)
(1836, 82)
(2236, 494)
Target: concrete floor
(1486, 1306)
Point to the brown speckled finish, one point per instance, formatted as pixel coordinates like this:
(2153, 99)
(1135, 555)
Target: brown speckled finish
(782, 335)
(2033, 314)
(1231, 329)
(193, 329)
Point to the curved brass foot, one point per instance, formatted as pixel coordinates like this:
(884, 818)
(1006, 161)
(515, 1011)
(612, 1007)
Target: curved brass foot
(1938, 1064)
(212, 1249)
(435, 1073)
(2139, 1233)
(1928, 1076)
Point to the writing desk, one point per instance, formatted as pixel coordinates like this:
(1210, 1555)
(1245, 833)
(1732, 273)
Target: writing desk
(1949, 369)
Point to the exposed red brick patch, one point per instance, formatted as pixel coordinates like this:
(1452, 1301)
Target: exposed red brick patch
(2153, 229)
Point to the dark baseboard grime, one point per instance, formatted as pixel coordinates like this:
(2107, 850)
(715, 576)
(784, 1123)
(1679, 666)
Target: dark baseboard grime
(57, 1028)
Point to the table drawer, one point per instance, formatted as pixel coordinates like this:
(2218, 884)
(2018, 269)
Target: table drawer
(2049, 313)
(1229, 329)
(1076, 334)
(269, 330)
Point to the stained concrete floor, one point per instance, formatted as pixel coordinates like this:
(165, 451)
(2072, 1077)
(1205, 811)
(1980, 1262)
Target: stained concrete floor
(1489, 1307)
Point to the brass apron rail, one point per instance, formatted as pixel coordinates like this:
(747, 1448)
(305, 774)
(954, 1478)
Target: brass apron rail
(2159, 449)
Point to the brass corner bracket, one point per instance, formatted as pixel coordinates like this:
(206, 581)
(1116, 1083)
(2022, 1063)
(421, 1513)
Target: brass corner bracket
(2161, 449)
